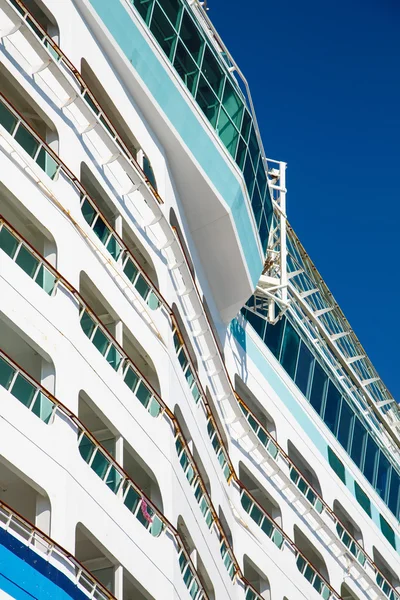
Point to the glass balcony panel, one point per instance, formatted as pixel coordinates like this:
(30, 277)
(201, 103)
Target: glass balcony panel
(157, 526)
(132, 499)
(246, 124)
(100, 464)
(43, 407)
(131, 379)
(87, 324)
(88, 212)
(233, 105)
(213, 72)
(207, 101)
(267, 527)
(163, 31)
(194, 589)
(273, 449)
(6, 373)
(246, 502)
(186, 67)
(188, 577)
(190, 474)
(100, 341)
(183, 361)
(130, 270)
(249, 174)
(46, 280)
(184, 461)
(23, 390)
(140, 515)
(114, 479)
(27, 261)
(8, 242)
(152, 301)
(256, 514)
(227, 132)
(86, 448)
(189, 377)
(154, 408)
(47, 163)
(101, 230)
(143, 394)
(142, 286)
(114, 247)
(26, 140)
(7, 119)
(318, 584)
(309, 573)
(196, 393)
(191, 37)
(114, 357)
(182, 561)
(277, 538)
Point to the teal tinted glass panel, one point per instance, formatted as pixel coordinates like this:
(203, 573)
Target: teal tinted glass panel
(144, 8)
(336, 465)
(130, 270)
(114, 247)
(358, 442)
(43, 407)
(191, 37)
(143, 394)
(394, 493)
(345, 424)
(8, 242)
(318, 387)
(241, 153)
(186, 67)
(131, 500)
(101, 341)
(7, 119)
(257, 322)
(304, 365)
(246, 125)
(27, 261)
(100, 464)
(362, 498)
(232, 104)
(88, 212)
(142, 286)
(114, 357)
(101, 230)
(163, 31)
(273, 337)
(87, 324)
(23, 390)
(86, 448)
(131, 379)
(248, 173)
(253, 147)
(207, 101)
(371, 455)
(387, 531)
(382, 475)
(6, 373)
(212, 72)
(227, 132)
(290, 348)
(45, 279)
(114, 479)
(47, 163)
(27, 140)
(332, 406)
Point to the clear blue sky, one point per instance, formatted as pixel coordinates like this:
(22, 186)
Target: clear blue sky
(325, 81)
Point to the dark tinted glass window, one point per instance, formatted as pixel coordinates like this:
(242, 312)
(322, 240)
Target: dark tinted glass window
(273, 337)
(304, 365)
(362, 498)
(358, 442)
(333, 401)
(345, 424)
(394, 494)
(336, 465)
(318, 387)
(382, 475)
(290, 348)
(387, 531)
(370, 460)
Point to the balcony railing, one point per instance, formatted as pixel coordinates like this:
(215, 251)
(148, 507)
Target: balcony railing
(46, 548)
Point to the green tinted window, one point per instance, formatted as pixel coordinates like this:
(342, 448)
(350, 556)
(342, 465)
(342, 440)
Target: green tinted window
(27, 140)
(336, 465)
(191, 37)
(213, 72)
(8, 243)
(387, 531)
(7, 119)
(163, 31)
(362, 498)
